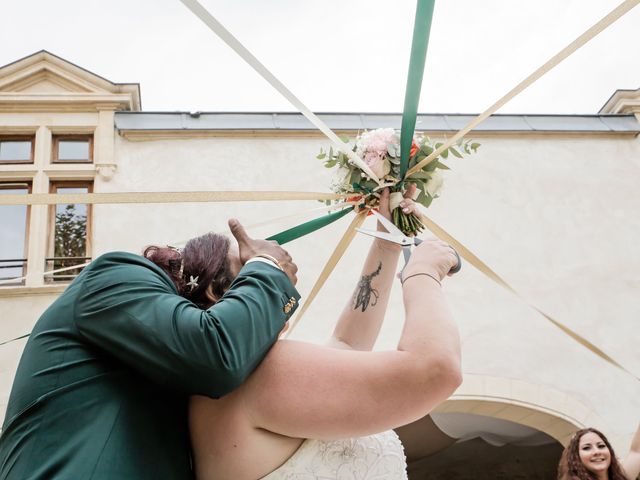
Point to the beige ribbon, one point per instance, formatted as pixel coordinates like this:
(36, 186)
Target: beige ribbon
(225, 35)
(465, 253)
(325, 208)
(160, 197)
(614, 15)
(337, 254)
(49, 272)
(182, 242)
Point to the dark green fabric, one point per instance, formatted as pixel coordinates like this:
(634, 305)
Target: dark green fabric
(421, 30)
(308, 227)
(102, 388)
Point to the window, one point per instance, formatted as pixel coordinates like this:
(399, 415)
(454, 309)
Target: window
(72, 149)
(69, 234)
(16, 149)
(13, 235)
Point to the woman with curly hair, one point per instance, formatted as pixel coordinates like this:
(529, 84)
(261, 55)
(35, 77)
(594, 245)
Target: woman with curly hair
(589, 456)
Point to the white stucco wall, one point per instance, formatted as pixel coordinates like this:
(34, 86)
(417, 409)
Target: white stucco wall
(555, 216)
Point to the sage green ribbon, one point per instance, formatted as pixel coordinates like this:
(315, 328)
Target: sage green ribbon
(421, 30)
(308, 227)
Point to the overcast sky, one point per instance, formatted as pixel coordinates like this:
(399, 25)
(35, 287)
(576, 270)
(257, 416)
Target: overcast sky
(335, 55)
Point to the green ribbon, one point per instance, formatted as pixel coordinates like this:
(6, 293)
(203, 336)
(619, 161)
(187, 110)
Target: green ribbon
(421, 30)
(308, 227)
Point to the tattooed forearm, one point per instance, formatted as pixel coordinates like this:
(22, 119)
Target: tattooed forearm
(365, 294)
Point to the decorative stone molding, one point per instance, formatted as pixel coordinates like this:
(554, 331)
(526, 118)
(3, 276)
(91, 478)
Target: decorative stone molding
(623, 101)
(106, 170)
(537, 406)
(44, 82)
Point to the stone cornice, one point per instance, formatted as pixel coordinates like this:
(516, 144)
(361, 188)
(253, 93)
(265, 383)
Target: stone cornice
(45, 82)
(67, 102)
(623, 102)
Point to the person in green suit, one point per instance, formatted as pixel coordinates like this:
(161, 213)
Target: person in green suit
(102, 388)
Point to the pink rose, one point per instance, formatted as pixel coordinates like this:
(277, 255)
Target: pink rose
(377, 163)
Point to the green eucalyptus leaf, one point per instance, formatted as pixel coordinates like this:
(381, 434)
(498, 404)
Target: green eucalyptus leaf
(455, 152)
(427, 150)
(422, 175)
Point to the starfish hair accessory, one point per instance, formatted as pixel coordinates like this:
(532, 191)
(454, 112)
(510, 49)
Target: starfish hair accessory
(193, 282)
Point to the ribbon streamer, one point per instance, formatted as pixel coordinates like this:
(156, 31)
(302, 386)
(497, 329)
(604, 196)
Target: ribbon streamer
(614, 15)
(419, 44)
(337, 254)
(50, 272)
(465, 253)
(226, 36)
(160, 197)
(308, 227)
(336, 206)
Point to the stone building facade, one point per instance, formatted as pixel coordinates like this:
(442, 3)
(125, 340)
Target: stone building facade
(549, 202)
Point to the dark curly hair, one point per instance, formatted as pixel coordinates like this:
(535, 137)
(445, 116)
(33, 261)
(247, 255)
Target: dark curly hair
(572, 468)
(205, 258)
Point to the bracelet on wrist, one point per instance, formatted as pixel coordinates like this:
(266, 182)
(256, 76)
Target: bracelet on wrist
(402, 280)
(270, 258)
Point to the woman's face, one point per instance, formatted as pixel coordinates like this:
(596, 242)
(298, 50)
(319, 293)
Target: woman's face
(594, 453)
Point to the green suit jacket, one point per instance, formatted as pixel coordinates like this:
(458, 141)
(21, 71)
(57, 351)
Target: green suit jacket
(101, 391)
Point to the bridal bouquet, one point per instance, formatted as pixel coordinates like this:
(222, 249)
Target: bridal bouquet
(380, 151)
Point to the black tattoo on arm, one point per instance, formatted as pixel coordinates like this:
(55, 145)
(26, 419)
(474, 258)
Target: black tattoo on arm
(365, 294)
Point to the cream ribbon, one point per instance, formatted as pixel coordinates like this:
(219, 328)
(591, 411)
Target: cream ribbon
(183, 242)
(326, 208)
(614, 15)
(49, 272)
(465, 253)
(226, 36)
(337, 254)
(160, 197)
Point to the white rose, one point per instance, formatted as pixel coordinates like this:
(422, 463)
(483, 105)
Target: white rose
(340, 181)
(434, 184)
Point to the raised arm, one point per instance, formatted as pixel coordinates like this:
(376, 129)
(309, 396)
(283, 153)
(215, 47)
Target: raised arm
(128, 310)
(362, 316)
(309, 391)
(631, 463)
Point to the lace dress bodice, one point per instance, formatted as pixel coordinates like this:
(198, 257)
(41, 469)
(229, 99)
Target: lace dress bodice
(377, 457)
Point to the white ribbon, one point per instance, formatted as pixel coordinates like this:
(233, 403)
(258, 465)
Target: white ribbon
(226, 36)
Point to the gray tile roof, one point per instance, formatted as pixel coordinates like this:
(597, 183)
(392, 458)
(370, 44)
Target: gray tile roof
(148, 121)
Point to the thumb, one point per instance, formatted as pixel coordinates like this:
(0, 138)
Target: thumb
(410, 191)
(238, 231)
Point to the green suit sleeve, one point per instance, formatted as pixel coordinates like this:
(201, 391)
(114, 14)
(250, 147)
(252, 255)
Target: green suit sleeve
(129, 310)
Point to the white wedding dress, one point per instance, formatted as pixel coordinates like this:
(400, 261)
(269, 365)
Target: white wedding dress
(377, 457)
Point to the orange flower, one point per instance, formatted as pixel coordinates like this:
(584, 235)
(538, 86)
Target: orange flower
(414, 149)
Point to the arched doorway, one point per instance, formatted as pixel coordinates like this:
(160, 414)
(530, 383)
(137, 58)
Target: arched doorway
(493, 428)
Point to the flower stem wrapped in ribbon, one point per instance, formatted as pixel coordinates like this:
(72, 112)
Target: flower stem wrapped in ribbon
(380, 150)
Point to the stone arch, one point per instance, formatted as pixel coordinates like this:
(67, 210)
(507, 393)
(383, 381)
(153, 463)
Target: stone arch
(534, 405)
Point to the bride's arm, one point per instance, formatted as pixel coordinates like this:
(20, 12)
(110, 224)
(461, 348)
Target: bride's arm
(309, 391)
(631, 463)
(359, 324)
